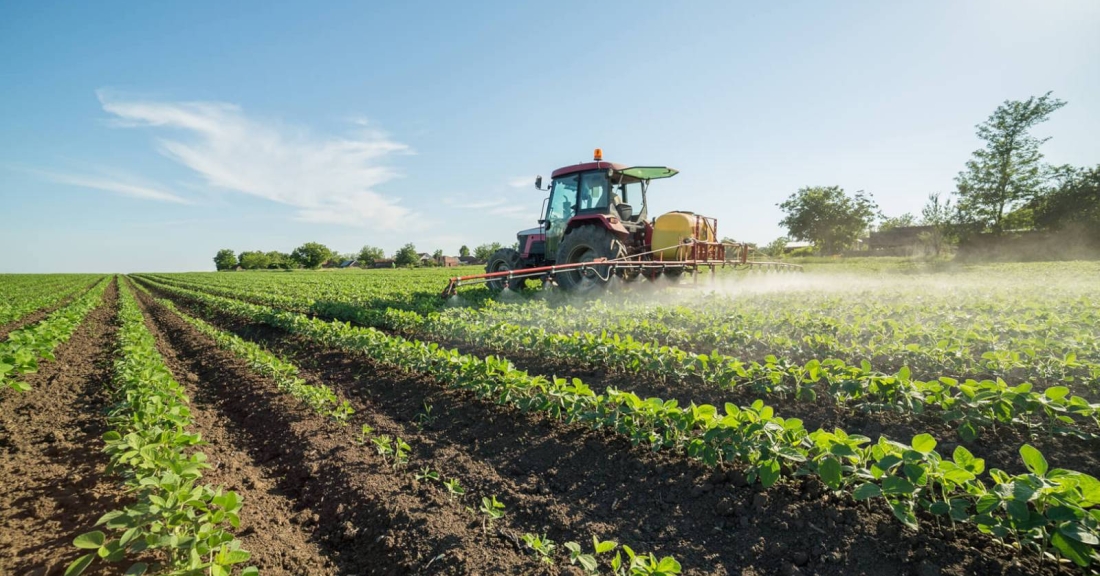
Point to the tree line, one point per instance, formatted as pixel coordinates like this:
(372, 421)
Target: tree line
(1005, 186)
(313, 255)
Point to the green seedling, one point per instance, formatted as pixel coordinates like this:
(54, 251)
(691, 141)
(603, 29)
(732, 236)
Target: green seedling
(454, 489)
(542, 546)
(427, 473)
(364, 435)
(492, 509)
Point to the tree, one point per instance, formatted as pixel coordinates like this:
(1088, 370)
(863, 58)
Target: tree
(312, 255)
(226, 259)
(368, 255)
(254, 260)
(276, 259)
(1074, 202)
(485, 251)
(939, 214)
(437, 255)
(1009, 170)
(902, 221)
(828, 217)
(777, 247)
(464, 251)
(407, 256)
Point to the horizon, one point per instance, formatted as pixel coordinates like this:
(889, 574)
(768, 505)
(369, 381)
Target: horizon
(146, 138)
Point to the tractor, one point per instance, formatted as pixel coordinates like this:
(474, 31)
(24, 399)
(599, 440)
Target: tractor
(590, 232)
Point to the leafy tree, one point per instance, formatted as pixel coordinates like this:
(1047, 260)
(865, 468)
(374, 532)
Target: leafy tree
(828, 217)
(368, 255)
(940, 215)
(226, 259)
(902, 221)
(485, 251)
(776, 247)
(312, 255)
(1009, 170)
(437, 254)
(1074, 202)
(254, 260)
(407, 256)
(464, 251)
(276, 259)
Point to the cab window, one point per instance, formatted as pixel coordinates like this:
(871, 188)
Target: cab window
(594, 193)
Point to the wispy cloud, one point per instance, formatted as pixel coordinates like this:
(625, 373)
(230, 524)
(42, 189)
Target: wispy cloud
(329, 179)
(521, 182)
(472, 204)
(126, 186)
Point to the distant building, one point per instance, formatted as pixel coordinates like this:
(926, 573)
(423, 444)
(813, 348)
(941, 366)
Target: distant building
(792, 246)
(347, 263)
(469, 260)
(383, 263)
(446, 261)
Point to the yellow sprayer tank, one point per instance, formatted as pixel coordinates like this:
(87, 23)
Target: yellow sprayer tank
(672, 228)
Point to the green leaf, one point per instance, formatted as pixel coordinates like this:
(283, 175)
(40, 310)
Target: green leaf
(895, 485)
(1034, 460)
(968, 432)
(905, 514)
(137, 569)
(1076, 551)
(866, 491)
(605, 546)
(79, 565)
(90, 541)
(1079, 533)
(250, 571)
(830, 472)
(924, 443)
(768, 471)
(1056, 392)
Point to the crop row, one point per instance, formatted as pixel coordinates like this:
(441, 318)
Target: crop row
(1049, 510)
(973, 329)
(322, 400)
(24, 348)
(970, 405)
(285, 375)
(172, 517)
(21, 297)
(975, 340)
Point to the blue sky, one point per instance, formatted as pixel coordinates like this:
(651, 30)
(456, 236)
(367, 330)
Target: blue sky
(145, 136)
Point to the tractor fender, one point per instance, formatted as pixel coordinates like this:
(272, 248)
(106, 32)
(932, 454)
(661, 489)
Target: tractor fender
(609, 222)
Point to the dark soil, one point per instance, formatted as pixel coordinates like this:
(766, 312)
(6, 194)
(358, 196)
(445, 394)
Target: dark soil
(358, 513)
(41, 313)
(572, 482)
(52, 482)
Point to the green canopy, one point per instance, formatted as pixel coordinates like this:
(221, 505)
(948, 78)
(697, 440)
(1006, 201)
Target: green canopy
(649, 172)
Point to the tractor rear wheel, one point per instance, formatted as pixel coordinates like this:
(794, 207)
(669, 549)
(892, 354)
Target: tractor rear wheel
(586, 244)
(501, 261)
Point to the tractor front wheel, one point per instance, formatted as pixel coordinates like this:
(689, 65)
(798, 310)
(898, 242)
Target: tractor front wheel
(587, 244)
(504, 260)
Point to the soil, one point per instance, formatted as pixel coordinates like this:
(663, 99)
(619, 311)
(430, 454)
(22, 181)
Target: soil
(353, 509)
(52, 467)
(571, 482)
(41, 313)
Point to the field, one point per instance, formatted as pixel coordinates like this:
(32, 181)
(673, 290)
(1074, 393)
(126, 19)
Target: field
(867, 417)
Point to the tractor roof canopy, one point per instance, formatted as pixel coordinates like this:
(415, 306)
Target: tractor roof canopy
(630, 172)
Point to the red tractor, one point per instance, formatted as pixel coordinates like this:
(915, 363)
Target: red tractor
(590, 231)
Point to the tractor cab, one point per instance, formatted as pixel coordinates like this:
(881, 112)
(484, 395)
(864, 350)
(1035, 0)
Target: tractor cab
(607, 194)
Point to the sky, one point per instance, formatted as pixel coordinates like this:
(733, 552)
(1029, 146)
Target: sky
(146, 136)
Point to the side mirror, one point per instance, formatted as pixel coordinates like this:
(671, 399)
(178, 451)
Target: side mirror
(538, 182)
